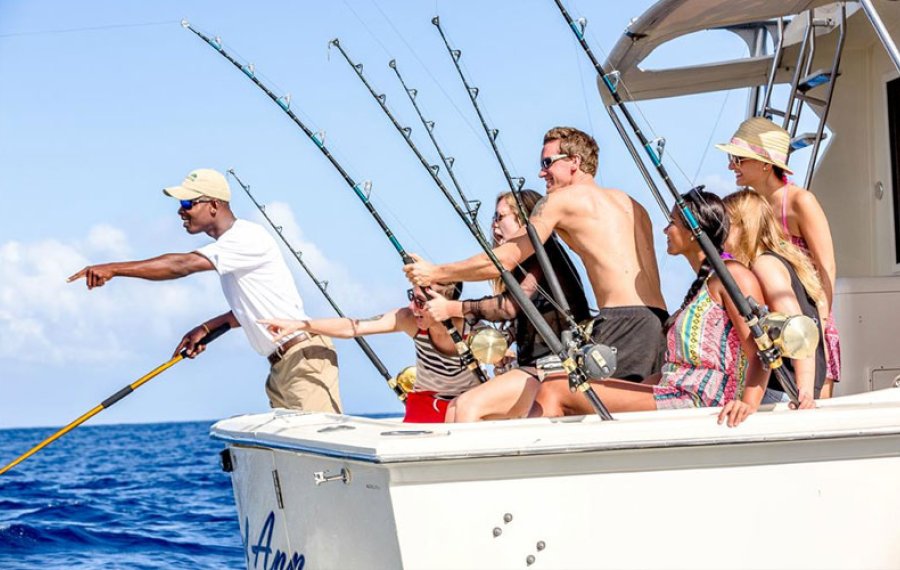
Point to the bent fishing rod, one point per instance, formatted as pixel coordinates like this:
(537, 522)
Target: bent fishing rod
(747, 307)
(598, 359)
(323, 287)
(465, 354)
(211, 336)
(472, 206)
(515, 188)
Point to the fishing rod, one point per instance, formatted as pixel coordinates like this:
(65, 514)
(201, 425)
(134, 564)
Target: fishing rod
(323, 287)
(211, 336)
(472, 206)
(361, 191)
(539, 250)
(598, 359)
(752, 313)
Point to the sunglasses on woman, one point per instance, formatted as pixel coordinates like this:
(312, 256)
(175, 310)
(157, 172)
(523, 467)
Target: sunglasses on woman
(419, 301)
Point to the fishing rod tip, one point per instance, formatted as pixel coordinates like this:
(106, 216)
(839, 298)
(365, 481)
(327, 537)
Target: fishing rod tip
(392, 64)
(335, 42)
(436, 21)
(185, 24)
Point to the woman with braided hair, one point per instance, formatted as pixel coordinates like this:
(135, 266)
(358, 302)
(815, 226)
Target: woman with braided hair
(707, 341)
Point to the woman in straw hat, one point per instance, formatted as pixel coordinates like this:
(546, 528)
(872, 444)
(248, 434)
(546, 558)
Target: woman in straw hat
(757, 154)
(790, 283)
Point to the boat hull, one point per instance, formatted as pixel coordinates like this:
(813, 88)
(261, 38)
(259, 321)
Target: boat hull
(812, 489)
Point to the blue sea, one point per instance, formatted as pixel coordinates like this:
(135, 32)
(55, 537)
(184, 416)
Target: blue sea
(118, 496)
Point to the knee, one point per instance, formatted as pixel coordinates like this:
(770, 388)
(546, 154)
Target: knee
(467, 408)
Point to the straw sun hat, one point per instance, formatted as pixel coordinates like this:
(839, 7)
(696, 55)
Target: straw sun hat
(760, 139)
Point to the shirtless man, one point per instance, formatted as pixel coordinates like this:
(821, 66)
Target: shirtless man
(613, 236)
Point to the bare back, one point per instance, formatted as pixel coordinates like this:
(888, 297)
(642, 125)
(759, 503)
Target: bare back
(613, 235)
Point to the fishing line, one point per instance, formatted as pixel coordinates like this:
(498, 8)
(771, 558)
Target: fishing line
(323, 287)
(748, 308)
(599, 357)
(515, 185)
(86, 29)
(427, 68)
(362, 190)
(471, 206)
(712, 133)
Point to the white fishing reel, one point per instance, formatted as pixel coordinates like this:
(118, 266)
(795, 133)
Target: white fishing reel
(796, 336)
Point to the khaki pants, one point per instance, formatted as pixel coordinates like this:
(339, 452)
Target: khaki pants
(306, 378)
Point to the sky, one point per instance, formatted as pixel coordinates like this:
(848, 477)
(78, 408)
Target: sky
(104, 103)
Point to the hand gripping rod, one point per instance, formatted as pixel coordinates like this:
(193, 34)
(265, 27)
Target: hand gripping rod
(323, 287)
(515, 188)
(465, 354)
(768, 352)
(577, 376)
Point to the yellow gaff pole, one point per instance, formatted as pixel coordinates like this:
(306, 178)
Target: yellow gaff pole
(214, 334)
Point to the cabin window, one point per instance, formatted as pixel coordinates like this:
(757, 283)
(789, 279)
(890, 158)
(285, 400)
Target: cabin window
(893, 99)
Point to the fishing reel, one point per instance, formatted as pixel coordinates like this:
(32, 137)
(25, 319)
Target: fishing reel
(405, 380)
(598, 361)
(796, 336)
(488, 344)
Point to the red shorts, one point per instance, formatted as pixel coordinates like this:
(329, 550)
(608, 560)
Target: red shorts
(425, 408)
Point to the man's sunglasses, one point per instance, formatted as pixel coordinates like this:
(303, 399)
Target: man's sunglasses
(548, 161)
(188, 204)
(419, 301)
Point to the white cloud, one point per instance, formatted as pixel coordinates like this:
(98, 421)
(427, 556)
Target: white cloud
(43, 318)
(353, 297)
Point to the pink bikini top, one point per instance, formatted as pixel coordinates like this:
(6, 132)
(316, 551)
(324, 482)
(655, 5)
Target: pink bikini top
(796, 240)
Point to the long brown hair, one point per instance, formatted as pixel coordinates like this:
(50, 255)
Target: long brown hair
(760, 232)
(530, 198)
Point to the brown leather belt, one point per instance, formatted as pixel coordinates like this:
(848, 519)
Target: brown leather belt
(279, 352)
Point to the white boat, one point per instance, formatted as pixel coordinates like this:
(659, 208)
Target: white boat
(667, 489)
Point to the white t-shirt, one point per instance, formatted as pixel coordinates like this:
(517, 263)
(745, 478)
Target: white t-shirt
(255, 279)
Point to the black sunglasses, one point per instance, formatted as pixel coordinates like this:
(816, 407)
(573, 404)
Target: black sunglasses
(419, 301)
(188, 204)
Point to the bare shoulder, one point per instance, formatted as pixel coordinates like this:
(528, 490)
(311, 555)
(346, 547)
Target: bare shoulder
(804, 201)
(406, 321)
(745, 279)
(770, 271)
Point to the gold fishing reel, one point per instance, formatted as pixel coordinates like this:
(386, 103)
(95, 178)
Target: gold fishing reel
(488, 344)
(405, 380)
(796, 336)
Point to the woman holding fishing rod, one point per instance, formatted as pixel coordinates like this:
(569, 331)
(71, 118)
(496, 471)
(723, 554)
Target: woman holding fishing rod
(512, 393)
(440, 374)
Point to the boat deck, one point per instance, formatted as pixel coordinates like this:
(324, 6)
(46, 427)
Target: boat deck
(391, 441)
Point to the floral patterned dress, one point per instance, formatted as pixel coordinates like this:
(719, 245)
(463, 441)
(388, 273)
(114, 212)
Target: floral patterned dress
(704, 364)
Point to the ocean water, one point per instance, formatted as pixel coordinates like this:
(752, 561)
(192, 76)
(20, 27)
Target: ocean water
(119, 496)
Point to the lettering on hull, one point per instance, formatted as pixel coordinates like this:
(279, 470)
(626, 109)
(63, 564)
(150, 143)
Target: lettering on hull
(261, 552)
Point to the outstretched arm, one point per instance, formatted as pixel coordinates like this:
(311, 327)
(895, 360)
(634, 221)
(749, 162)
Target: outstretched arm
(480, 267)
(392, 321)
(162, 268)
